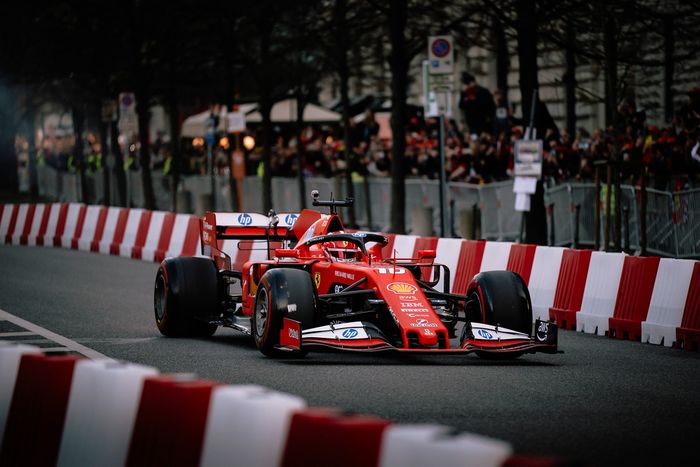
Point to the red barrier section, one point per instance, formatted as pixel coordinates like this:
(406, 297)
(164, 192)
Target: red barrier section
(327, 437)
(80, 223)
(520, 260)
(570, 287)
(38, 410)
(141, 234)
(23, 239)
(60, 224)
(633, 297)
(43, 227)
(13, 223)
(119, 232)
(166, 232)
(170, 423)
(99, 230)
(688, 334)
(470, 255)
(191, 245)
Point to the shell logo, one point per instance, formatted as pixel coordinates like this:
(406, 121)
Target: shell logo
(402, 288)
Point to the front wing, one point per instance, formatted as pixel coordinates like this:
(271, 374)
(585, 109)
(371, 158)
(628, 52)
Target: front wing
(360, 336)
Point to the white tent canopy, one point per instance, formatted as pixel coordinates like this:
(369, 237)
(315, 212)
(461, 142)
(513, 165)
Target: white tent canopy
(286, 111)
(196, 125)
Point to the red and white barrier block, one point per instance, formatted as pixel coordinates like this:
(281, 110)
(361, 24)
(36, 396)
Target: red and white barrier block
(600, 294)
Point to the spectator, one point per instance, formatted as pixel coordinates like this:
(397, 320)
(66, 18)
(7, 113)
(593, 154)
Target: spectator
(477, 105)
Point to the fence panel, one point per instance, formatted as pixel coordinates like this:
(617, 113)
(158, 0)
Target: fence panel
(509, 220)
(686, 219)
(560, 216)
(464, 199)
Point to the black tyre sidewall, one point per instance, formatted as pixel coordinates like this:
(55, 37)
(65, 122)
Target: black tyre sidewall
(504, 299)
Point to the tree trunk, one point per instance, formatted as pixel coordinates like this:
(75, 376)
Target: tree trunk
(301, 104)
(78, 156)
(669, 50)
(570, 81)
(175, 150)
(399, 79)
(526, 25)
(344, 76)
(265, 108)
(104, 141)
(144, 117)
(502, 57)
(119, 174)
(610, 47)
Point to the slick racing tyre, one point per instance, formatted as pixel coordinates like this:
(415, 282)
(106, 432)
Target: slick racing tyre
(186, 293)
(500, 298)
(281, 293)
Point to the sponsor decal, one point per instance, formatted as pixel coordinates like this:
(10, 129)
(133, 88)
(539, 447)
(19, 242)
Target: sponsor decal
(423, 323)
(412, 304)
(345, 275)
(245, 219)
(293, 334)
(402, 288)
(415, 310)
(417, 315)
(359, 234)
(349, 333)
(391, 270)
(317, 279)
(391, 312)
(542, 331)
(345, 244)
(337, 288)
(291, 308)
(408, 298)
(485, 334)
(290, 218)
(428, 332)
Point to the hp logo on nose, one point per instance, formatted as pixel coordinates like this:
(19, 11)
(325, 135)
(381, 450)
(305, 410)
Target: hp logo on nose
(350, 333)
(245, 219)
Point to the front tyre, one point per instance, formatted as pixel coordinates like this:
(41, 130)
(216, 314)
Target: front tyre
(500, 298)
(186, 293)
(281, 293)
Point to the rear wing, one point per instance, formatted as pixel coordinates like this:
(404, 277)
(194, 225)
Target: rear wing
(215, 226)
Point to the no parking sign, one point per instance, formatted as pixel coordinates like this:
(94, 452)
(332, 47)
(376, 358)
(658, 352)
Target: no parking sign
(440, 54)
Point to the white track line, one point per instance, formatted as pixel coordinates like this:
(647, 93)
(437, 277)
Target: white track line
(64, 341)
(16, 334)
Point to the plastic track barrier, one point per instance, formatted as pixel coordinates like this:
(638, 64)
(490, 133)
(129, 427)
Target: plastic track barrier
(570, 286)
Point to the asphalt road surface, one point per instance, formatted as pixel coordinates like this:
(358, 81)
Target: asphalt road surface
(602, 402)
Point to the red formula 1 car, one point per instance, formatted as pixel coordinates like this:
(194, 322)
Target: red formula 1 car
(326, 288)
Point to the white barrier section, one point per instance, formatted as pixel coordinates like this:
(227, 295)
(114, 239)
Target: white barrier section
(110, 229)
(447, 253)
(36, 223)
(10, 356)
(71, 224)
(248, 424)
(89, 227)
(153, 236)
(19, 225)
(132, 228)
(421, 445)
(600, 294)
(177, 239)
(101, 412)
(543, 280)
(404, 246)
(667, 301)
(495, 256)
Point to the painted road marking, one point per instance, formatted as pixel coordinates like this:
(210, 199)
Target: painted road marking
(16, 334)
(57, 338)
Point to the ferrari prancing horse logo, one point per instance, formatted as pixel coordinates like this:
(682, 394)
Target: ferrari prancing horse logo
(317, 279)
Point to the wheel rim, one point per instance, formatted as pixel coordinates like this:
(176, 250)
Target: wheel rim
(261, 313)
(159, 298)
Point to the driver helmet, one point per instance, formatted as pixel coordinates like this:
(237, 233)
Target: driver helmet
(343, 250)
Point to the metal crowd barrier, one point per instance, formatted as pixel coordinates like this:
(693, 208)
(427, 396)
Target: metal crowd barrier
(479, 211)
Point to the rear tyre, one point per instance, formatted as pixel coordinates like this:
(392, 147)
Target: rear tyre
(281, 293)
(186, 294)
(500, 298)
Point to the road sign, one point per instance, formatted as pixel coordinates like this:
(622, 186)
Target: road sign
(128, 122)
(528, 158)
(440, 55)
(438, 91)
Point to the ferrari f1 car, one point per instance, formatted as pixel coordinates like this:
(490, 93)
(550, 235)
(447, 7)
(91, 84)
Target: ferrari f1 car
(323, 287)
